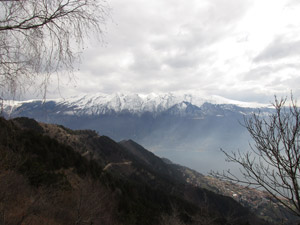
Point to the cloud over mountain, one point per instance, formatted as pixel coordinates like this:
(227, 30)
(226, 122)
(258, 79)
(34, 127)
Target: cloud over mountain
(214, 46)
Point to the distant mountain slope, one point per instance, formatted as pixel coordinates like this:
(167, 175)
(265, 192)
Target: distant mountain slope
(147, 158)
(260, 203)
(78, 164)
(182, 127)
(97, 104)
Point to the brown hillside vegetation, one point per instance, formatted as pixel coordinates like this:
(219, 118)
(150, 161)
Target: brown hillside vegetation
(53, 175)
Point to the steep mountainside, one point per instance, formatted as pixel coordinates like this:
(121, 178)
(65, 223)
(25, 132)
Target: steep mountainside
(78, 177)
(182, 127)
(259, 202)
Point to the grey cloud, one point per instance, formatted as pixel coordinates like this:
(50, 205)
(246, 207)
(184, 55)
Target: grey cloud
(145, 61)
(194, 36)
(291, 84)
(203, 27)
(277, 78)
(258, 73)
(182, 62)
(292, 3)
(267, 71)
(190, 60)
(279, 49)
(226, 12)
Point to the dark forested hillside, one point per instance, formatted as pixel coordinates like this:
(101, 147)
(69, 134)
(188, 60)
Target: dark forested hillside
(53, 175)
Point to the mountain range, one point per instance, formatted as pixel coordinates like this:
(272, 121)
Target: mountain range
(187, 128)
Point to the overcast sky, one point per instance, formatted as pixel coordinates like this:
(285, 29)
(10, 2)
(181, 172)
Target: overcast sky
(240, 49)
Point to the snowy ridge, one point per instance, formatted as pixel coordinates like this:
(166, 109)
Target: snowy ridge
(135, 103)
(138, 103)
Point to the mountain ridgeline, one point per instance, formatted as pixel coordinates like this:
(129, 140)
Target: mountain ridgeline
(179, 127)
(54, 175)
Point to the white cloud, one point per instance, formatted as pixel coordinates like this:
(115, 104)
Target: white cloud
(235, 48)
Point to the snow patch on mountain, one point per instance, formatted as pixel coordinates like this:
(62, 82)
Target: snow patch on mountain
(100, 103)
(135, 103)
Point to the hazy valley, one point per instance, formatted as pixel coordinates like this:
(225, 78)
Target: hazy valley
(189, 129)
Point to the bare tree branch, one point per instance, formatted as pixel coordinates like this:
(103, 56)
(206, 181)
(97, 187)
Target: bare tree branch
(273, 162)
(39, 38)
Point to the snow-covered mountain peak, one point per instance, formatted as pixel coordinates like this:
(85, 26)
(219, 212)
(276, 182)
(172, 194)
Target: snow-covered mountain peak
(137, 103)
(99, 103)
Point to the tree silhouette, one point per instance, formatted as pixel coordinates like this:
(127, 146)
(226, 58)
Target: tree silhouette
(39, 38)
(273, 163)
